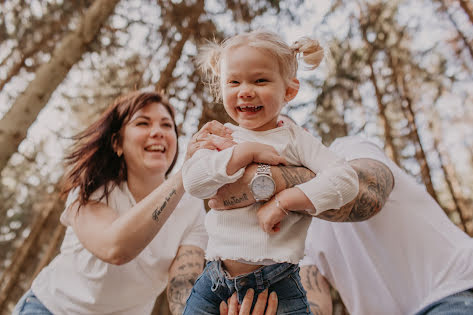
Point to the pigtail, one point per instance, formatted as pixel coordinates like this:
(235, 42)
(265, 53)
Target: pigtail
(310, 51)
(208, 61)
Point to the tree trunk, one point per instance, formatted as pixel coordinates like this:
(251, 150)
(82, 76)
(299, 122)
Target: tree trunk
(407, 107)
(26, 256)
(389, 146)
(466, 6)
(467, 10)
(389, 143)
(176, 51)
(452, 184)
(14, 125)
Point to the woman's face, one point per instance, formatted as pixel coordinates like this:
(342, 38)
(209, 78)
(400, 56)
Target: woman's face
(149, 142)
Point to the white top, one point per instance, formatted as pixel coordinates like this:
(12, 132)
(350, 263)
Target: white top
(404, 258)
(236, 234)
(77, 282)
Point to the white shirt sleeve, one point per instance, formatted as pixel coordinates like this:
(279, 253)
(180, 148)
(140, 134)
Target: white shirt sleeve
(336, 182)
(355, 147)
(206, 171)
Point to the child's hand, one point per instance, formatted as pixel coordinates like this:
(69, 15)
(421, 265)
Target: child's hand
(247, 152)
(266, 154)
(270, 216)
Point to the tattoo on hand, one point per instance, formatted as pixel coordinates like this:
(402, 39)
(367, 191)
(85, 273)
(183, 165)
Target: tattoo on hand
(158, 211)
(235, 200)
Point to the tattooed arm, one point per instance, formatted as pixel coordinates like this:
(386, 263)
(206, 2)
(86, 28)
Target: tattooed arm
(318, 290)
(117, 239)
(375, 184)
(186, 267)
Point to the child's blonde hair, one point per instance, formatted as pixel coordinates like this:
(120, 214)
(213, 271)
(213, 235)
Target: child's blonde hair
(210, 56)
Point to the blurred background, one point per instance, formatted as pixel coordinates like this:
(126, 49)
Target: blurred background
(397, 72)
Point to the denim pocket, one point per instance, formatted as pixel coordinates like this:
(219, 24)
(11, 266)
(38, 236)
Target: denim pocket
(31, 305)
(291, 295)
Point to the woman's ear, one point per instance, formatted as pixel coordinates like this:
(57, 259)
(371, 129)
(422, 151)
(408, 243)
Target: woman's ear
(116, 144)
(292, 90)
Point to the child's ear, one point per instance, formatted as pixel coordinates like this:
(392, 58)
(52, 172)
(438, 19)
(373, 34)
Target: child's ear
(291, 90)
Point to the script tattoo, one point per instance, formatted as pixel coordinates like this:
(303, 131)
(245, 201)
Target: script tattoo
(158, 211)
(376, 183)
(188, 265)
(235, 200)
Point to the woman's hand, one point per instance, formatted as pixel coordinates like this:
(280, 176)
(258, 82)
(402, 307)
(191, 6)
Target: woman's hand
(233, 308)
(213, 136)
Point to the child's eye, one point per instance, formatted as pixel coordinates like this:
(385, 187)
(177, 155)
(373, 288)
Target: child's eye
(233, 82)
(262, 80)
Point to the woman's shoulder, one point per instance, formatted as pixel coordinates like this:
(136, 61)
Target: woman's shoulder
(116, 193)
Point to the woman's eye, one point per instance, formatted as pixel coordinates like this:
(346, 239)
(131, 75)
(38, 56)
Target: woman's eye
(142, 123)
(168, 125)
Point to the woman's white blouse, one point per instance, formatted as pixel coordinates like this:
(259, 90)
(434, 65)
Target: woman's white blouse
(77, 282)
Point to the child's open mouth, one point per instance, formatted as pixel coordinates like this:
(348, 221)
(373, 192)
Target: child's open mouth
(249, 108)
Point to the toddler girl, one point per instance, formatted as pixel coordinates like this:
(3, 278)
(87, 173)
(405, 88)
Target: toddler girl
(259, 246)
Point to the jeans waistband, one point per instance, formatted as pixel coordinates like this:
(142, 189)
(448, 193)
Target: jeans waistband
(262, 277)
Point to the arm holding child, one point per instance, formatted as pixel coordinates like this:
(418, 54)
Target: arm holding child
(208, 170)
(335, 185)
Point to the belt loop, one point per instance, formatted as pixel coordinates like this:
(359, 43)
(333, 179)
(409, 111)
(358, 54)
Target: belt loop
(259, 279)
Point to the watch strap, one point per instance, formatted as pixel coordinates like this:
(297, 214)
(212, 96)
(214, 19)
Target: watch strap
(264, 169)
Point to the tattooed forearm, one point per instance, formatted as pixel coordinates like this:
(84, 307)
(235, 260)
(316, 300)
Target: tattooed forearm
(315, 308)
(161, 208)
(294, 175)
(318, 290)
(179, 288)
(186, 267)
(376, 183)
(311, 281)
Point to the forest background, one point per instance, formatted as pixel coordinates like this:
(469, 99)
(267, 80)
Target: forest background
(397, 72)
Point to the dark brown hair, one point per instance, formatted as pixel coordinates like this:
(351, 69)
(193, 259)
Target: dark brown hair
(93, 162)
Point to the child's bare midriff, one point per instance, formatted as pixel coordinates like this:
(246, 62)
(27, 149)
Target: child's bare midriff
(236, 268)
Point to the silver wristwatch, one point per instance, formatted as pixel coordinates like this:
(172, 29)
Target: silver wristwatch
(262, 185)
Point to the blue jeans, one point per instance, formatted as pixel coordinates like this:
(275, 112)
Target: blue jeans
(29, 304)
(214, 286)
(460, 303)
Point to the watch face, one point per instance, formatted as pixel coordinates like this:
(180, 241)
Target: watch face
(262, 187)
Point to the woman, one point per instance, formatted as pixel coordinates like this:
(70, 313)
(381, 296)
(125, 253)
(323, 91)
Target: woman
(130, 229)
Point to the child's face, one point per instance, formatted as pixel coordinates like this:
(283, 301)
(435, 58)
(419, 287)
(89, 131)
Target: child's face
(253, 89)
